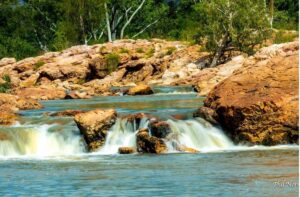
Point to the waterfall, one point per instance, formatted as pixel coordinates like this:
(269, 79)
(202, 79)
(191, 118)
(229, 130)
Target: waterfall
(38, 141)
(199, 135)
(122, 134)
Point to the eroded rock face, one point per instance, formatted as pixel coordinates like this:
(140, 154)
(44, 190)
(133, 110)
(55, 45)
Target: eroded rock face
(258, 104)
(94, 126)
(206, 113)
(140, 90)
(149, 144)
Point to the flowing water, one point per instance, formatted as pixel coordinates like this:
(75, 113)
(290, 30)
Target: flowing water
(46, 156)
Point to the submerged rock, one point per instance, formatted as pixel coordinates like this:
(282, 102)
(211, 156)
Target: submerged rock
(126, 150)
(258, 104)
(149, 144)
(140, 90)
(67, 113)
(94, 126)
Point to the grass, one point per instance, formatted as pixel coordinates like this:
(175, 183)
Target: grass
(123, 50)
(150, 52)
(112, 62)
(38, 65)
(170, 50)
(5, 87)
(284, 36)
(139, 50)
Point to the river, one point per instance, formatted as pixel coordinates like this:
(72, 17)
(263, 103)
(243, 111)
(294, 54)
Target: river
(45, 156)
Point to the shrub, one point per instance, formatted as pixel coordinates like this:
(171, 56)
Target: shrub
(5, 87)
(112, 62)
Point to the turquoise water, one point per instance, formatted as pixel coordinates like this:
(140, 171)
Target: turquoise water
(236, 171)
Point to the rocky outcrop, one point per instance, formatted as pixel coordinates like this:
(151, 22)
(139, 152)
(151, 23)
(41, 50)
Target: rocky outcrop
(94, 126)
(140, 90)
(206, 113)
(126, 150)
(10, 105)
(42, 93)
(258, 104)
(149, 144)
(97, 68)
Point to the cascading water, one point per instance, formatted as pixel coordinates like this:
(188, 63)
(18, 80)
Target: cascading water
(122, 134)
(196, 134)
(38, 141)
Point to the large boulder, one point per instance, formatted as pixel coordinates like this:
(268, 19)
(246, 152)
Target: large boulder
(140, 90)
(258, 104)
(149, 144)
(94, 126)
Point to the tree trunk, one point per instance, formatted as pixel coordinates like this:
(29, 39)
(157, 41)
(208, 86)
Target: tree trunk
(220, 51)
(271, 6)
(107, 23)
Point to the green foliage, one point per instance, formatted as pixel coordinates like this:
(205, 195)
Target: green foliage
(140, 50)
(285, 36)
(227, 25)
(112, 62)
(5, 87)
(38, 65)
(170, 50)
(150, 52)
(32, 27)
(123, 50)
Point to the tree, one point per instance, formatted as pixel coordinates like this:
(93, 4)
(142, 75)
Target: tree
(231, 25)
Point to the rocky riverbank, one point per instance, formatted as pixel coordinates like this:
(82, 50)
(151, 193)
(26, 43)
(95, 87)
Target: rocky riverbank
(255, 99)
(259, 102)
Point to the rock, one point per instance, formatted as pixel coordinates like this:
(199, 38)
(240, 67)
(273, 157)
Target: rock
(7, 118)
(126, 150)
(186, 149)
(77, 95)
(206, 113)
(134, 118)
(30, 81)
(140, 90)
(67, 113)
(149, 144)
(42, 93)
(94, 126)
(159, 129)
(18, 102)
(7, 61)
(258, 104)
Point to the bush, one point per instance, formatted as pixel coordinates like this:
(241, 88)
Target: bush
(5, 87)
(112, 62)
